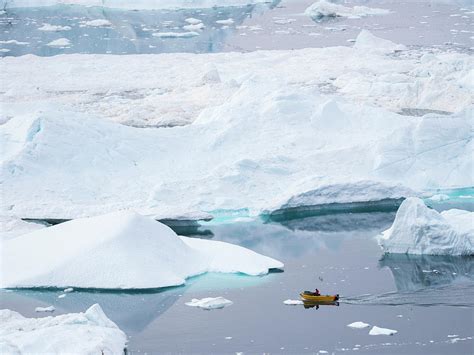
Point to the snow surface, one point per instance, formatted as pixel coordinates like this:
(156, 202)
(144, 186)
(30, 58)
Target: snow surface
(130, 5)
(358, 325)
(382, 331)
(61, 159)
(90, 332)
(418, 229)
(324, 8)
(11, 227)
(209, 303)
(121, 250)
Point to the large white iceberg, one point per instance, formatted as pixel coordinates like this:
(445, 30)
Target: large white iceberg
(260, 137)
(90, 332)
(418, 229)
(121, 250)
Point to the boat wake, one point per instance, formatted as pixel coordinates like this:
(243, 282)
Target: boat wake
(453, 295)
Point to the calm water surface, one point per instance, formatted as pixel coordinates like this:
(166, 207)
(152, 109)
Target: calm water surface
(427, 299)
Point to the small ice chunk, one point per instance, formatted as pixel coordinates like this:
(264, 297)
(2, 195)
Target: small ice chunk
(60, 42)
(45, 309)
(53, 28)
(175, 34)
(196, 27)
(382, 331)
(452, 335)
(323, 352)
(193, 21)
(229, 21)
(68, 290)
(358, 325)
(228, 338)
(97, 23)
(62, 296)
(209, 303)
(439, 197)
(292, 302)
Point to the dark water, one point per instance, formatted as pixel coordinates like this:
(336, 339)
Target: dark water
(424, 298)
(273, 25)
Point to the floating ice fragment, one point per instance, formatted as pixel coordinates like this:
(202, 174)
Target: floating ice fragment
(209, 303)
(175, 34)
(229, 21)
(358, 325)
(382, 331)
(68, 290)
(45, 309)
(60, 42)
(292, 302)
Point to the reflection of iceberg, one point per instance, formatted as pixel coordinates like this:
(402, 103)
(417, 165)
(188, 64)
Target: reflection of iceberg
(341, 222)
(129, 31)
(412, 272)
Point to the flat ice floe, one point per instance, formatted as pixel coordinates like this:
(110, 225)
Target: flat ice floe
(382, 331)
(90, 332)
(121, 250)
(418, 229)
(358, 325)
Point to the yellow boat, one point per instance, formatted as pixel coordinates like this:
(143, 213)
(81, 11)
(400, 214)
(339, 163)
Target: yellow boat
(312, 297)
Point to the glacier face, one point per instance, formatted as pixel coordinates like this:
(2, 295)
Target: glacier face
(418, 229)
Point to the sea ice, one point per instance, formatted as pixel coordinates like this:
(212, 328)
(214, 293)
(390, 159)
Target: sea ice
(358, 325)
(418, 229)
(210, 303)
(97, 23)
(121, 250)
(90, 332)
(382, 331)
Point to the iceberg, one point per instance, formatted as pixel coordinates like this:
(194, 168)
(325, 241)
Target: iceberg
(418, 229)
(120, 250)
(324, 8)
(368, 42)
(90, 332)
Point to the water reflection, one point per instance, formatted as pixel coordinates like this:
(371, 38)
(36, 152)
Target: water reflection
(412, 272)
(103, 30)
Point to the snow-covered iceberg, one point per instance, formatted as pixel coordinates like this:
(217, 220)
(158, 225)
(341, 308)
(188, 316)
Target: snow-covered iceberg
(90, 332)
(121, 250)
(258, 137)
(418, 229)
(325, 8)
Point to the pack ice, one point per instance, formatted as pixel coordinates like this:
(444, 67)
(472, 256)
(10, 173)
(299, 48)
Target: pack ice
(418, 229)
(90, 332)
(121, 250)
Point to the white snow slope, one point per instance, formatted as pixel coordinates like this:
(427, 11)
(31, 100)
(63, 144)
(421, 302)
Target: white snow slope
(121, 250)
(129, 4)
(90, 332)
(266, 130)
(418, 229)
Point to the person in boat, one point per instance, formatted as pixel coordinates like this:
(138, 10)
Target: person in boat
(316, 292)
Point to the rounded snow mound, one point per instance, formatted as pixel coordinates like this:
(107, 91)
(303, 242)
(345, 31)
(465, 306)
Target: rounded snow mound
(120, 250)
(418, 229)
